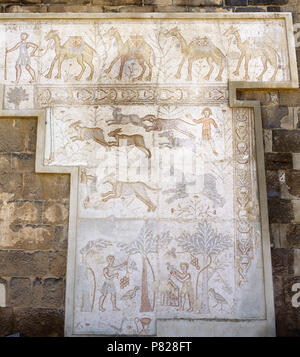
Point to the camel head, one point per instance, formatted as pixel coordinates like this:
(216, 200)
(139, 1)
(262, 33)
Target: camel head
(173, 32)
(115, 132)
(231, 31)
(111, 32)
(51, 35)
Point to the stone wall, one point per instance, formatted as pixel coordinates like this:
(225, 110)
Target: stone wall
(34, 208)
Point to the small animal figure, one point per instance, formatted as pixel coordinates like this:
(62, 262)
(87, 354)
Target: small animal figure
(218, 299)
(159, 124)
(130, 294)
(124, 119)
(138, 189)
(136, 140)
(86, 133)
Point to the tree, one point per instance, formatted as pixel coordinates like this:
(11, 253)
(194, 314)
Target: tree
(144, 245)
(205, 242)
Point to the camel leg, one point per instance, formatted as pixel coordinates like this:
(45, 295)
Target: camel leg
(49, 74)
(274, 63)
(178, 74)
(190, 68)
(60, 61)
(148, 78)
(221, 69)
(121, 68)
(112, 64)
(89, 62)
(142, 64)
(237, 70)
(211, 68)
(83, 67)
(264, 61)
(247, 59)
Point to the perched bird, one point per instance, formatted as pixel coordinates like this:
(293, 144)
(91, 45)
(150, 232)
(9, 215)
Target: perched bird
(171, 252)
(130, 294)
(218, 298)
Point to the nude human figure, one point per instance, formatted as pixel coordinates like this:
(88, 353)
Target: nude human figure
(24, 56)
(207, 121)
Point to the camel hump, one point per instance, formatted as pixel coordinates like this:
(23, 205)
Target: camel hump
(75, 44)
(202, 42)
(137, 41)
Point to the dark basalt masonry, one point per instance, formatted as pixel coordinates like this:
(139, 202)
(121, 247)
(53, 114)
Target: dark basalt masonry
(34, 270)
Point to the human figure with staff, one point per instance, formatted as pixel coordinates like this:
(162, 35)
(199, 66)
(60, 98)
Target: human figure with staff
(24, 57)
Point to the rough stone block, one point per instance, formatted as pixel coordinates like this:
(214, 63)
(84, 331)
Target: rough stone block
(57, 264)
(282, 261)
(272, 116)
(19, 263)
(117, 2)
(5, 163)
(7, 318)
(273, 185)
(19, 292)
(46, 186)
(267, 2)
(293, 235)
(292, 179)
(250, 9)
(198, 2)
(278, 235)
(280, 210)
(55, 213)
(31, 322)
(278, 161)
(286, 140)
(23, 162)
(11, 183)
(236, 2)
(48, 293)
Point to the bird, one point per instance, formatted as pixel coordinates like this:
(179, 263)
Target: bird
(218, 297)
(130, 294)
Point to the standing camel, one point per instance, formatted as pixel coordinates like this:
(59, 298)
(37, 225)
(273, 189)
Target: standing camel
(135, 48)
(198, 48)
(264, 50)
(76, 47)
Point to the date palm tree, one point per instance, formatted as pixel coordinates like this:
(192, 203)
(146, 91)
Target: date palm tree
(145, 244)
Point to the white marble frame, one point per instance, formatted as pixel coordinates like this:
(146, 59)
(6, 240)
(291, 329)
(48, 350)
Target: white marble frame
(265, 327)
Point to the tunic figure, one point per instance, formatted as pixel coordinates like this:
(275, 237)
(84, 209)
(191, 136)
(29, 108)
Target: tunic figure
(186, 288)
(108, 286)
(206, 122)
(24, 56)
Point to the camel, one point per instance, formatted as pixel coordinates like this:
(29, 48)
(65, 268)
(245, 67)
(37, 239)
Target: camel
(135, 48)
(198, 48)
(263, 50)
(73, 47)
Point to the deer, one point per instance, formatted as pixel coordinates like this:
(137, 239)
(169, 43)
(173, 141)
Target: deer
(119, 118)
(86, 133)
(136, 140)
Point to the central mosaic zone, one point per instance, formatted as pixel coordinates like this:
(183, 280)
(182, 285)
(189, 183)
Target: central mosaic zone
(165, 196)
